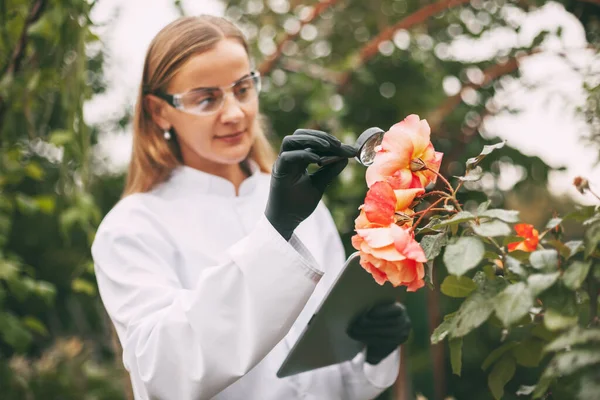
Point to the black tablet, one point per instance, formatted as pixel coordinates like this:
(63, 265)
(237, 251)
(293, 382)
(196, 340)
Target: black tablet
(324, 340)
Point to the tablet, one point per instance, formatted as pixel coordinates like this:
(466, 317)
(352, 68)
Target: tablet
(324, 340)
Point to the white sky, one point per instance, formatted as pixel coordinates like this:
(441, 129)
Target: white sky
(548, 127)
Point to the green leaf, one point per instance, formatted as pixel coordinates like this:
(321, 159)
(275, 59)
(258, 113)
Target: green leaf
(497, 353)
(477, 308)
(553, 223)
(575, 246)
(546, 260)
(513, 303)
(83, 286)
(539, 282)
(569, 362)
(542, 387)
(511, 216)
(529, 352)
(8, 270)
(60, 137)
(576, 273)
(432, 245)
(563, 250)
(501, 374)
(462, 216)
(574, 337)
(45, 290)
(456, 355)
(589, 386)
(540, 331)
(472, 175)
(26, 204)
(591, 239)
(34, 171)
(443, 329)
(581, 214)
(13, 332)
(35, 325)
(463, 255)
(460, 286)
(491, 228)
(514, 266)
(472, 162)
(45, 204)
(483, 206)
(554, 320)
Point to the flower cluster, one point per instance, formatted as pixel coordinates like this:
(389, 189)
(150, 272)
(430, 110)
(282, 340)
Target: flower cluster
(404, 165)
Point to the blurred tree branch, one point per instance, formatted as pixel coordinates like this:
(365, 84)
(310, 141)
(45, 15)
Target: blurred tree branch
(370, 49)
(270, 62)
(18, 53)
(313, 70)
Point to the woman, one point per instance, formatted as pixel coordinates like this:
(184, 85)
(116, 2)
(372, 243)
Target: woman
(206, 267)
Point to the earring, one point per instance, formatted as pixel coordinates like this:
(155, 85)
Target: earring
(167, 135)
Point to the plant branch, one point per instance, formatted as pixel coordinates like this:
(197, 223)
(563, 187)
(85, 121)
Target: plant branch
(270, 62)
(435, 209)
(452, 191)
(435, 203)
(370, 49)
(593, 193)
(16, 59)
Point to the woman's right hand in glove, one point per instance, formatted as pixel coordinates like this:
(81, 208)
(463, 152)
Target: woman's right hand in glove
(295, 193)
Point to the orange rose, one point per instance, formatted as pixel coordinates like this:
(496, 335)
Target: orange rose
(531, 236)
(391, 254)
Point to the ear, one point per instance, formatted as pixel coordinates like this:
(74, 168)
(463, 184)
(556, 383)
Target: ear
(158, 110)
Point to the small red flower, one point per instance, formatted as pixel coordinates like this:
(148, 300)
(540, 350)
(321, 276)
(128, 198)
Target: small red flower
(531, 236)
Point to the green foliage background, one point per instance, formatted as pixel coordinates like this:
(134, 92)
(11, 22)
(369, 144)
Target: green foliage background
(54, 336)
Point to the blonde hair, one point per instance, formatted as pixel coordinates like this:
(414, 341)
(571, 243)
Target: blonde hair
(154, 158)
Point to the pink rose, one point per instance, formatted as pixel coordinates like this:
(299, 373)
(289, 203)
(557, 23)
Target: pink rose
(405, 151)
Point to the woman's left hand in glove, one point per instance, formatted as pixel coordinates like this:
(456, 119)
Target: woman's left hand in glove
(382, 329)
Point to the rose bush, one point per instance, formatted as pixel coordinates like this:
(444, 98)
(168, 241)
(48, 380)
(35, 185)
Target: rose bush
(538, 290)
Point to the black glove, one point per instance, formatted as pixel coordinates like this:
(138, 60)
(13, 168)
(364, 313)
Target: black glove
(294, 192)
(382, 329)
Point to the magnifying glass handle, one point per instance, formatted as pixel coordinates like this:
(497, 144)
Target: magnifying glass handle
(330, 160)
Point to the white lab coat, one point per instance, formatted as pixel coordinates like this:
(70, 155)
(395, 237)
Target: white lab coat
(207, 298)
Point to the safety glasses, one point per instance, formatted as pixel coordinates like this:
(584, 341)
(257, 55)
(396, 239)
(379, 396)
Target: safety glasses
(206, 101)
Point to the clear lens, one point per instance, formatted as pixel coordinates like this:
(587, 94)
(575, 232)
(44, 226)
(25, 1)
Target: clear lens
(368, 150)
(208, 101)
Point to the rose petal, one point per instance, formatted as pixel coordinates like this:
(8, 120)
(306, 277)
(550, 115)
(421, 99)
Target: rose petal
(524, 230)
(415, 285)
(405, 197)
(406, 244)
(380, 203)
(376, 237)
(401, 179)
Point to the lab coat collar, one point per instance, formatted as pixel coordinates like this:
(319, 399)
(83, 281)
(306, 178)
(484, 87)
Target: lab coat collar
(203, 182)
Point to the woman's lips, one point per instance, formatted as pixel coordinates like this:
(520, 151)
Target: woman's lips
(234, 137)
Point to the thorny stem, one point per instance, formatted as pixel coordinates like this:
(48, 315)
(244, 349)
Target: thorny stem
(443, 179)
(438, 192)
(434, 209)
(426, 211)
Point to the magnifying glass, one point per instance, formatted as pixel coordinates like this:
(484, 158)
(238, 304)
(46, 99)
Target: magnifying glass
(365, 147)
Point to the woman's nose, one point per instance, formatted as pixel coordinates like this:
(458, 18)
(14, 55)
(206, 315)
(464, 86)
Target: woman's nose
(232, 111)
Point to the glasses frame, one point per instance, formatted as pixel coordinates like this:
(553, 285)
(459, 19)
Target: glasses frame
(175, 100)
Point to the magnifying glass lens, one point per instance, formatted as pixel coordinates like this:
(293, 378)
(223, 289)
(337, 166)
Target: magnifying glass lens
(367, 152)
